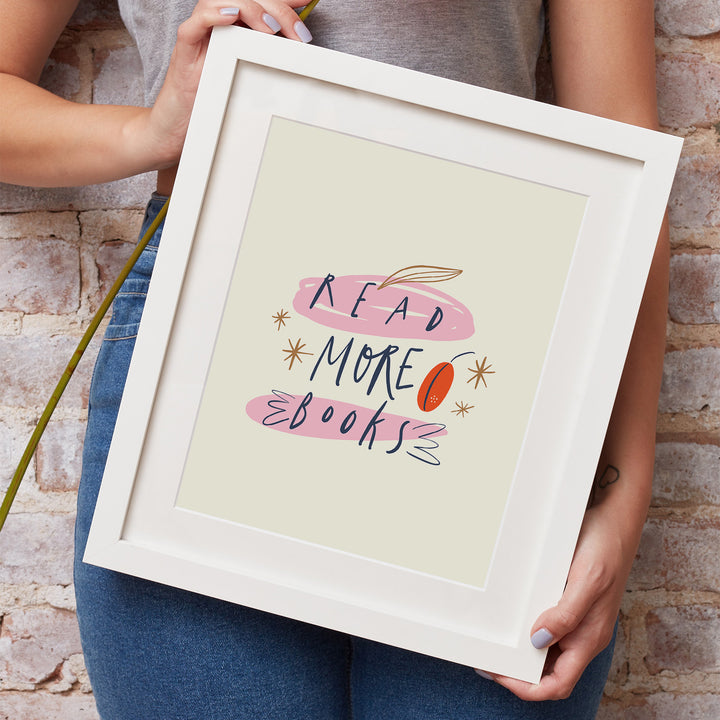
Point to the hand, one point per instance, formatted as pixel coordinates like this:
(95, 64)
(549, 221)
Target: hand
(166, 125)
(581, 625)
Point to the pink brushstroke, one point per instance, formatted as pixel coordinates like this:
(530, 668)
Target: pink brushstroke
(278, 411)
(386, 312)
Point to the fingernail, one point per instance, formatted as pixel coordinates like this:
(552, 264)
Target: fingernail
(271, 22)
(229, 11)
(541, 638)
(485, 675)
(302, 32)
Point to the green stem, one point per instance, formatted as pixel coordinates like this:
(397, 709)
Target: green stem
(70, 369)
(307, 9)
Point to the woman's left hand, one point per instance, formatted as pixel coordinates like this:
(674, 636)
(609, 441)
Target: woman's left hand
(603, 63)
(581, 625)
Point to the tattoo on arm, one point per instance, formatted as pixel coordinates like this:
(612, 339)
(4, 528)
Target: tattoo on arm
(608, 476)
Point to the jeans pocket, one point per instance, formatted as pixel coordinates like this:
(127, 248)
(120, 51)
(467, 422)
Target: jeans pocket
(127, 309)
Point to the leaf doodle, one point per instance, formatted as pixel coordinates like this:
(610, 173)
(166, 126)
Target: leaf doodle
(420, 274)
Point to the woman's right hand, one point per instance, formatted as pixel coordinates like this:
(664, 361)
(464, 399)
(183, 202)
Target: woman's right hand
(48, 141)
(166, 125)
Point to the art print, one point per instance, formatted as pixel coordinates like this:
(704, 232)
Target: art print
(373, 360)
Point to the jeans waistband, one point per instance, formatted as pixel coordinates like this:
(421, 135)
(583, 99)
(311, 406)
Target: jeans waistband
(153, 207)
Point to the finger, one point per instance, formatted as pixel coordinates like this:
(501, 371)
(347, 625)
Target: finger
(290, 24)
(205, 16)
(565, 669)
(270, 16)
(484, 674)
(211, 13)
(581, 593)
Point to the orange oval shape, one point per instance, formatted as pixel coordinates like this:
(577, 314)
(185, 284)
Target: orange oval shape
(435, 386)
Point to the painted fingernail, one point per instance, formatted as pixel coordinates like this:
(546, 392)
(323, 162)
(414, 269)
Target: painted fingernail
(229, 11)
(485, 675)
(302, 32)
(541, 638)
(271, 22)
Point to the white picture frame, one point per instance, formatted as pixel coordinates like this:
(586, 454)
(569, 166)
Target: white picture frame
(610, 183)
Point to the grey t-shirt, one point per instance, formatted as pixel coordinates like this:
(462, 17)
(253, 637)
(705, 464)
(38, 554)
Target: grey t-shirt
(491, 43)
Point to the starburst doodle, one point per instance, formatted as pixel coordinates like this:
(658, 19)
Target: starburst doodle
(279, 318)
(479, 372)
(462, 409)
(295, 351)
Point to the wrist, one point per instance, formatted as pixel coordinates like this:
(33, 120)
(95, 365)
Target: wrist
(621, 499)
(147, 146)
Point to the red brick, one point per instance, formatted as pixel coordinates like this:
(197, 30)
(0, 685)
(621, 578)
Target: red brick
(31, 366)
(111, 258)
(691, 380)
(118, 77)
(695, 198)
(686, 474)
(59, 455)
(100, 226)
(63, 225)
(695, 288)
(62, 75)
(678, 554)
(688, 91)
(685, 707)
(688, 17)
(613, 710)
(619, 667)
(9, 454)
(37, 548)
(131, 192)
(114, 234)
(683, 639)
(663, 706)
(39, 276)
(35, 642)
(96, 15)
(42, 706)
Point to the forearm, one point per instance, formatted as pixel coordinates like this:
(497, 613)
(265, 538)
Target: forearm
(47, 141)
(624, 481)
(604, 64)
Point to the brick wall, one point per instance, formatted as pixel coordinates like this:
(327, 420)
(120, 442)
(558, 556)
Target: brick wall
(669, 660)
(59, 252)
(60, 249)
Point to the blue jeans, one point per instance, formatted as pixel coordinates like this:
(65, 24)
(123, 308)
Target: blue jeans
(157, 653)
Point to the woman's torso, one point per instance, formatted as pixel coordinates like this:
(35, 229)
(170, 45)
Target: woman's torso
(491, 43)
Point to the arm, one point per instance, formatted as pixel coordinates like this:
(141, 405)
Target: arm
(604, 64)
(48, 141)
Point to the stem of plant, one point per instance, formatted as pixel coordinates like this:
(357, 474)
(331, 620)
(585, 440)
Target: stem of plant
(22, 467)
(307, 9)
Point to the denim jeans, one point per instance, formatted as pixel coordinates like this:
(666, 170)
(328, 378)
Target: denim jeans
(157, 653)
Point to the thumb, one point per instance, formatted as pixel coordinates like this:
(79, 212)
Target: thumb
(555, 623)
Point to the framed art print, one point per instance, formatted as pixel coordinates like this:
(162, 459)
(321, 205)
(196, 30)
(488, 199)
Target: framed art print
(380, 349)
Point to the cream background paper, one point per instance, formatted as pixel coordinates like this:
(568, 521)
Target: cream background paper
(324, 203)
